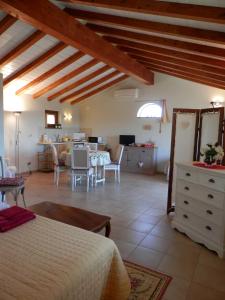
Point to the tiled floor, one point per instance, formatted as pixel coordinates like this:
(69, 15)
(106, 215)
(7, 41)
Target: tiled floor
(142, 231)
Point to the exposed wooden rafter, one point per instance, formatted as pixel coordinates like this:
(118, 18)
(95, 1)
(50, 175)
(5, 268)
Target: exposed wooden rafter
(35, 63)
(186, 76)
(204, 75)
(89, 86)
(52, 20)
(78, 82)
(27, 43)
(214, 37)
(66, 62)
(162, 8)
(65, 78)
(169, 52)
(160, 41)
(100, 89)
(146, 57)
(6, 22)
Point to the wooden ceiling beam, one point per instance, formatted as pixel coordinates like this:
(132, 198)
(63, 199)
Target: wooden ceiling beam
(211, 36)
(65, 78)
(100, 89)
(153, 40)
(65, 63)
(35, 63)
(185, 76)
(6, 22)
(49, 18)
(219, 63)
(162, 8)
(27, 43)
(78, 82)
(177, 62)
(89, 86)
(216, 78)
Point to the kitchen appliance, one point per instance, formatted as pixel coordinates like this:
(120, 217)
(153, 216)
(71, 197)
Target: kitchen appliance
(95, 139)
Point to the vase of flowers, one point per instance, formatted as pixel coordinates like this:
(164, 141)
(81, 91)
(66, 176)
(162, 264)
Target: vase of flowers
(213, 154)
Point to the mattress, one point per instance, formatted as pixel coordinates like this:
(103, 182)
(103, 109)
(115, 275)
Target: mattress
(48, 260)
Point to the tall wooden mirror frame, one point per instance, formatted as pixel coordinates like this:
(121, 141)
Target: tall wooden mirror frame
(197, 141)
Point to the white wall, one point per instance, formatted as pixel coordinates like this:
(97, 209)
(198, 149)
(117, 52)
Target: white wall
(108, 117)
(1, 119)
(32, 126)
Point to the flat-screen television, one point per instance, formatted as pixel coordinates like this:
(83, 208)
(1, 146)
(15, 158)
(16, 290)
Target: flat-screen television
(127, 140)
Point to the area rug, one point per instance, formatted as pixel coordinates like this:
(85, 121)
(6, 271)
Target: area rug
(146, 284)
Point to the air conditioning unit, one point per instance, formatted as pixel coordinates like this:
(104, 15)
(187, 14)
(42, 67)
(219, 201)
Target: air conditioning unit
(126, 94)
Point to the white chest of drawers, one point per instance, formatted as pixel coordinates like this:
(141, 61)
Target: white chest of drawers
(200, 205)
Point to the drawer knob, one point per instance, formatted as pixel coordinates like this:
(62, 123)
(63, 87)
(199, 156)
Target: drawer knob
(186, 188)
(209, 212)
(208, 228)
(210, 196)
(188, 174)
(185, 216)
(186, 202)
(211, 180)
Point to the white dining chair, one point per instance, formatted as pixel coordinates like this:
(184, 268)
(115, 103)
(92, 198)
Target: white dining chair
(115, 165)
(92, 146)
(59, 166)
(80, 167)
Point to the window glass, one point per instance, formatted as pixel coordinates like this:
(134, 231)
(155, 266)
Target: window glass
(150, 110)
(50, 119)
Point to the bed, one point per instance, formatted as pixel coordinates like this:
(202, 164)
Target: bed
(48, 260)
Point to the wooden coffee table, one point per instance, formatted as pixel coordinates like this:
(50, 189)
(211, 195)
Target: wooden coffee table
(73, 216)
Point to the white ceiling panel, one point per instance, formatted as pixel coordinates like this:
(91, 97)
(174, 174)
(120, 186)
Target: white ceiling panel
(105, 82)
(74, 79)
(13, 36)
(58, 75)
(87, 83)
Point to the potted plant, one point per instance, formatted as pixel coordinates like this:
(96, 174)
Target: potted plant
(213, 154)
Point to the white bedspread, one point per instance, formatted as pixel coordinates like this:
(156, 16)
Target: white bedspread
(48, 260)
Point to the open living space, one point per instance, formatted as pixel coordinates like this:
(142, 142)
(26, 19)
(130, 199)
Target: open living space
(112, 140)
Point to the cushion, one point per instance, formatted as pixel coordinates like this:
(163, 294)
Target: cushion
(8, 181)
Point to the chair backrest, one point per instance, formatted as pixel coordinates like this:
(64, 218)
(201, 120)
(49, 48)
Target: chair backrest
(119, 153)
(92, 146)
(80, 158)
(55, 155)
(2, 167)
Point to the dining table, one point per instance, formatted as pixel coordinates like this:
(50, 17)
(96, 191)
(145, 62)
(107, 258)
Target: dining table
(98, 159)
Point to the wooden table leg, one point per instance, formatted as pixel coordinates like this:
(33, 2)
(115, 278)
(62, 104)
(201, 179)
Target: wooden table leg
(107, 229)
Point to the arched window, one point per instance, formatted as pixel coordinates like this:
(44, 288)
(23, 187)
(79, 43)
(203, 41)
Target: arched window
(150, 110)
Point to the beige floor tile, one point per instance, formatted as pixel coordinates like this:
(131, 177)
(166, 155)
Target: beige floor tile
(211, 259)
(174, 266)
(140, 226)
(155, 212)
(125, 248)
(127, 235)
(149, 219)
(210, 277)
(199, 292)
(164, 231)
(177, 289)
(145, 257)
(184, 251)
(156, 243)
